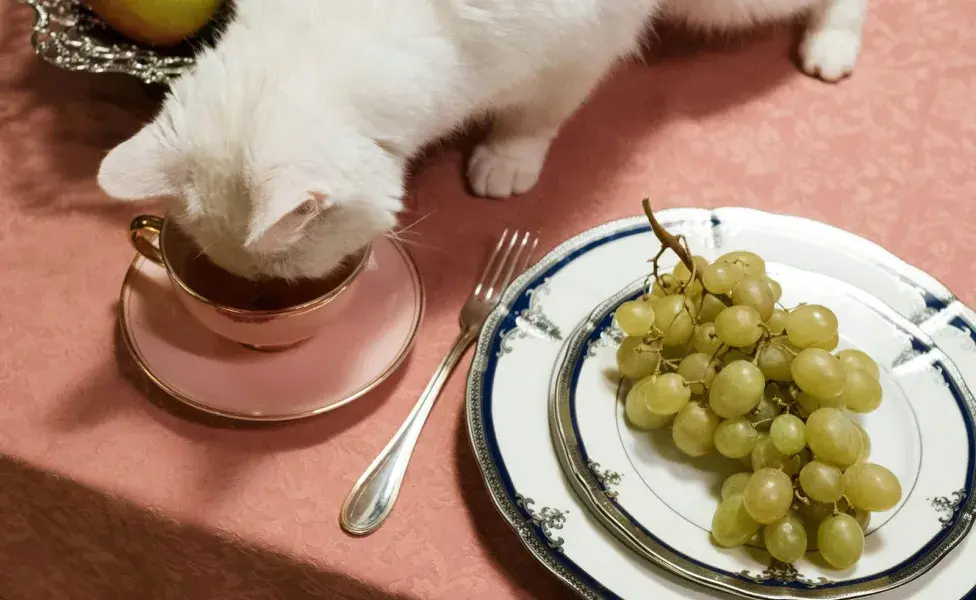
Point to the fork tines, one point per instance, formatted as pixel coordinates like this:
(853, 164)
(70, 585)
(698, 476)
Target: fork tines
(510, 257)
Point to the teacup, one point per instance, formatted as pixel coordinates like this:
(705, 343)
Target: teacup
(268, 315)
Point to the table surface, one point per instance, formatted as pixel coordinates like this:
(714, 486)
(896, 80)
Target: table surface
(105, 492)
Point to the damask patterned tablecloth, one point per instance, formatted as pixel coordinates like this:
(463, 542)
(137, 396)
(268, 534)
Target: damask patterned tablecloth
(108, 491)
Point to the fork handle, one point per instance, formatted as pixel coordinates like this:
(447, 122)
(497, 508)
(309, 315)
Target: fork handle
(371, 500)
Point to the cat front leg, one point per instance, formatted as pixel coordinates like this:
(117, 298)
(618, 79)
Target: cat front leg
(510, 160)
(832, 41)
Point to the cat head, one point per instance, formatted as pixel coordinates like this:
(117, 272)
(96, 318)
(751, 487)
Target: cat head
(268, 183)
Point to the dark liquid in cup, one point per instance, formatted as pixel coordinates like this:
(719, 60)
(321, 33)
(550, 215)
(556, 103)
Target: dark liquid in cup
(218, 286)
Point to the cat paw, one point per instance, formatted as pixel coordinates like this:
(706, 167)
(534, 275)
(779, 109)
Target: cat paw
(830, 54)
(503, 168)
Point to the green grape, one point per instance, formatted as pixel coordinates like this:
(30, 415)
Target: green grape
(791, 465)
(711, 306)
(840, 540)
(787, 434)
(694, 429)
(673, 353)
(736, 390)
(731, 525)
(811, 529)
(822, 482)
(871, 487)
(806, 404)
(738, 326)
(774, 361)
(635, 317)
(814, 512)
(705, 339)
(663, 394)
(768, 495)
(635, 359)
(775, 288)
(767, 409)
(666, 285)
(683, 274)
(818, 372)
(735, 438)
(836, 402)
(734, 484)
(833, 437)
(865, 443)
(810, 324)
(803, 458)
(753, 291)
(736, 354)
(766, 456)
(720, 278)
(786, 539)
(863, 518)
(756, 541)
(857, 360)
(862, 392)
(828, 345)
(673, 317)
(639, 414)
(777, 321)
(696, 368)
(752, 264)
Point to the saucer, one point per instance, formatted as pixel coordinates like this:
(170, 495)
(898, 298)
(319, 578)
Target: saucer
(347, 358)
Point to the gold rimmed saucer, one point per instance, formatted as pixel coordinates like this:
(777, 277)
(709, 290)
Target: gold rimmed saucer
(349, 357)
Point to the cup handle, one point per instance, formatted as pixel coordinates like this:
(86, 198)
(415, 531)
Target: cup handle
(144, 232)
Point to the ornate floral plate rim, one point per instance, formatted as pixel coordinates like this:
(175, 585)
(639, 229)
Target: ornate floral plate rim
(597, 492)
(537, 530)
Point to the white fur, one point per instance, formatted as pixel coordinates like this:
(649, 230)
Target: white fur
(284, 150)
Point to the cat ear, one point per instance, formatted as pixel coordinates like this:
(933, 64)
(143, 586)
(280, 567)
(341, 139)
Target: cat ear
(136, 168)
(286, 210)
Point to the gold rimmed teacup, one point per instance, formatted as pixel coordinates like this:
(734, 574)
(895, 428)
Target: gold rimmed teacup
(296, 313)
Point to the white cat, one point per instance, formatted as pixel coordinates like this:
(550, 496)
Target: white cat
(284, 149)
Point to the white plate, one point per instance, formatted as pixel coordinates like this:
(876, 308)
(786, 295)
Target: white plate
(509, 383)
(661, 502)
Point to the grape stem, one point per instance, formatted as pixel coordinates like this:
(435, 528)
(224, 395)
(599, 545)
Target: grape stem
(803, 499)
(720, 351)
(783, 347)
(669, 240)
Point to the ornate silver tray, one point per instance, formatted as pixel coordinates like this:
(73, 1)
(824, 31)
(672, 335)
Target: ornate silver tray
(67, 34)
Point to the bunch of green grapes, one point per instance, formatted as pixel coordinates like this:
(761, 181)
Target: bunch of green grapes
(712, 354)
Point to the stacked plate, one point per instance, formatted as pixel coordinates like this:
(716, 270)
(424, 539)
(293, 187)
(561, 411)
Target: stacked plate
(617, 513)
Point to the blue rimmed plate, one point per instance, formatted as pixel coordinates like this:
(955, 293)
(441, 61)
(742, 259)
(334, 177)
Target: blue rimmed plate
(507, 412)
(661, 503)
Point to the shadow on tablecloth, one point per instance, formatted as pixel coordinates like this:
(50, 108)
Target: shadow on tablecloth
(60, 539)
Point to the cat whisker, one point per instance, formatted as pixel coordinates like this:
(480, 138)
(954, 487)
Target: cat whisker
(204, 249)
(409, 242)
(416, 222)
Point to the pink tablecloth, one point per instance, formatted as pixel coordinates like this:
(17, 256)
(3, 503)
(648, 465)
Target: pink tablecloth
(104, 494)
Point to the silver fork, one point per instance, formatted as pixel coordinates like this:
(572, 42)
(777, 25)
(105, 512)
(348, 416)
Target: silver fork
(371, 500)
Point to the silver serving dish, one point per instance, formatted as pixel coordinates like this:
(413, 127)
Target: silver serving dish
(68, 35)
